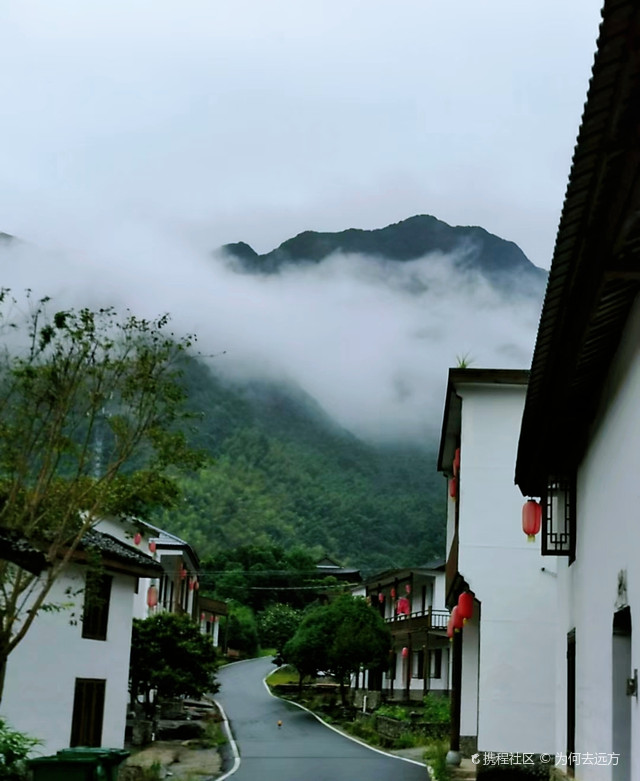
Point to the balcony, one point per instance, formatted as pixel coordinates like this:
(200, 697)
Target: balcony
(419, 620)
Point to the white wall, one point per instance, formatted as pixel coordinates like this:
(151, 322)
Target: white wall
(517, 662)
(607, 542)
(41, 673)
(470, 675)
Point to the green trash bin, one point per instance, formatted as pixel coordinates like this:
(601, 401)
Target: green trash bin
(79, 764)
(70, 769)
(109, 759)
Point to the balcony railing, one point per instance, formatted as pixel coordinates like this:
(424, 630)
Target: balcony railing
(437, 619)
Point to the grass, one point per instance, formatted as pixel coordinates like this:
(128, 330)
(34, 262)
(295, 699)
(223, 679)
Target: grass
(282, 675)
(436, 756)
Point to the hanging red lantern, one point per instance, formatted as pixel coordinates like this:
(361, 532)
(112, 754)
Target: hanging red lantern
(456, 462)
(456, 619)
(450, 628)
(407, 588)
(465, 605)
(152, 596)
(453, 487)
(531, 519)
(393, 593)
(152, 546)
(183, 573)
(403, 607)
(192, 584)
(137, 538)
(381, 597)
(405, 652)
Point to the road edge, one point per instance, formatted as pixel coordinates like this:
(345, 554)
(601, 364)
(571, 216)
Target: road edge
(339, 731)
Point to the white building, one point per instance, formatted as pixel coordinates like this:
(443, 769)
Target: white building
(579, 449)
(67, 681)
(503, 681)
(412, 603)
(177, 589)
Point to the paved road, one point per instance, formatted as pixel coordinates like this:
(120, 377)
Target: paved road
(303, 749)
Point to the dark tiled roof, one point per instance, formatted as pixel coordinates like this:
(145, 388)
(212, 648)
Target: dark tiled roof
(16, 549)
(112, 550)
(595, 273)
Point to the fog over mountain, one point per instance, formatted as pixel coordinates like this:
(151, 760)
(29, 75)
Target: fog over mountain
(365, 323)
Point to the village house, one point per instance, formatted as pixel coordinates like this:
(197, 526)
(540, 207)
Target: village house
(67, 681)
(502, 675)
(177, 589)
(579, 447)
(411, 601)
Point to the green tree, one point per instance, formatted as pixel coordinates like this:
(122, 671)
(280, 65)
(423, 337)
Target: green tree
(340, 637)
(90, 406)
(307, 650)
(278, 624)
(171, 656)
(242, 630)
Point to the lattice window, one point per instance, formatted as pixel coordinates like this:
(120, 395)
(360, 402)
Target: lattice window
(559, 519)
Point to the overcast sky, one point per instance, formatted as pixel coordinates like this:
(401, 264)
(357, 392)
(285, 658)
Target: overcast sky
(255, 120)
(137, 134)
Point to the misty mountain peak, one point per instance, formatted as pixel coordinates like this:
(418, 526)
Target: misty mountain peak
(472, 249)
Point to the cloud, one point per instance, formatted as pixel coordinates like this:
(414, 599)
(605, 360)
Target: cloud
(370, 339)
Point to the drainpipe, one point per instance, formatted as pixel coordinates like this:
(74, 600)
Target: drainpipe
(453, 755)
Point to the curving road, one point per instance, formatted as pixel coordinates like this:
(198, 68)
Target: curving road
(303, 749)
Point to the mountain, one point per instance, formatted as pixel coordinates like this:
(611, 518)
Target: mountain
(285, 473)
(473, 249)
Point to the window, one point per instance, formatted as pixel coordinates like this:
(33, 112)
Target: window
(559, 519)
(417, 670)
(97, 594)
(435, 663)
(88, 712)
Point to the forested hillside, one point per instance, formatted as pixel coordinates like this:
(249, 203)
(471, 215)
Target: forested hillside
(284, 473)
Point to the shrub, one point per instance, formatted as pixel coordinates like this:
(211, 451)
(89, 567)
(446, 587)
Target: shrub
(398, 712)
(15, 747)
(436, 708)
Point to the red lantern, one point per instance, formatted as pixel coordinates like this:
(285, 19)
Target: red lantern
(152, 596)
(137, 538)
(393, 593)
(403, 607)
(456, 463)
(381, 597)
(405, 652)
(192, 584)
(152, 546)
(465, 605)
(531, 519)
(183, 573)
(453, 487)
(407, 588)
(450, 628)
(456, 619)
